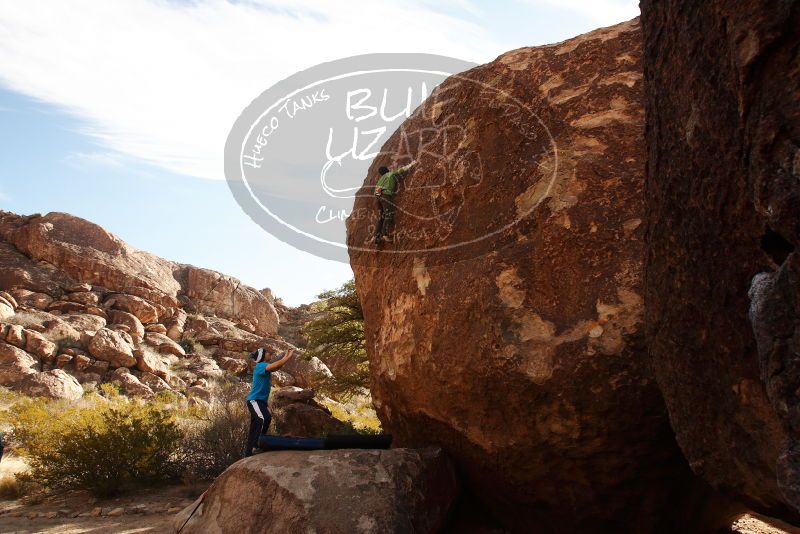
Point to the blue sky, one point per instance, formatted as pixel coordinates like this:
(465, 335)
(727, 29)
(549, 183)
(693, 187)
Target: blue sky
(118, 111)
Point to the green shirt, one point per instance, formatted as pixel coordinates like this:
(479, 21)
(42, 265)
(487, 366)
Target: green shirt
(388, 182)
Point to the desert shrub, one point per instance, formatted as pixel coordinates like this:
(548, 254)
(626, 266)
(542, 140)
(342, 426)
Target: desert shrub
(13, 480)
(104, 445)
(189, 345)
(214, 438)
(360, 420)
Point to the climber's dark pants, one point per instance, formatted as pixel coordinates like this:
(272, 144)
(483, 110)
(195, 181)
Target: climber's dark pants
(259, 423)
(385, 216)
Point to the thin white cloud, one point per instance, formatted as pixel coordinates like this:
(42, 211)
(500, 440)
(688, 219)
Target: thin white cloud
(164, 81)
(4, 197)
(103, 159)
(602, 12)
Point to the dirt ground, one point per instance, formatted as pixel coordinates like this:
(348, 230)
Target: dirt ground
(150, 511)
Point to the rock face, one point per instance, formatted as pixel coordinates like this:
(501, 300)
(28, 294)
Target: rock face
(522, 354)
(723, 202)
(329, 492)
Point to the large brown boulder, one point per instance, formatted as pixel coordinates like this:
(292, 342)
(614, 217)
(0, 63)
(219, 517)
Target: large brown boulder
(328, 492)
(723, 131)
(510, 332)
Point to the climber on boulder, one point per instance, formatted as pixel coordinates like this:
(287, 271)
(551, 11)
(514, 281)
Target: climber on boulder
(260, 417)
(385, 190)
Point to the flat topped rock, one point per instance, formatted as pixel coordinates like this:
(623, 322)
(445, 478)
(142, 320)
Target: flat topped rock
(328, 492)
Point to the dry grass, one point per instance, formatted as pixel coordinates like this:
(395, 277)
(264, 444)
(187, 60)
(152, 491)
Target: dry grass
(11, 488)
(358, 411)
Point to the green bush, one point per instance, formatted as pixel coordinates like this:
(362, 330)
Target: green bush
(102, 445)
(189, 345)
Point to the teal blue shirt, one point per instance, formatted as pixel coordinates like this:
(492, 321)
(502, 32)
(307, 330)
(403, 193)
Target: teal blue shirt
(262, 382)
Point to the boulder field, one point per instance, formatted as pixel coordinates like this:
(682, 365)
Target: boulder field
(79, 307)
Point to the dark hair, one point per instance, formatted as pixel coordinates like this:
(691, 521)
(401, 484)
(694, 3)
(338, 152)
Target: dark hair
(383, 170)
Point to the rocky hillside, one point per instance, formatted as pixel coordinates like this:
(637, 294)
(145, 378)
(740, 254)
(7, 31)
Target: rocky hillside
(79, 307)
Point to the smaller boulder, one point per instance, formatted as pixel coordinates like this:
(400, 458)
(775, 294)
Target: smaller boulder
(282, 379)
(232, 365)
(308, 372)
(149, 362)
(87, 298)
(129, 384)
(143, 310)
(164, 344)
(31, 299)
(135, 327)
(366, 491)
(156, 383)
(16, 336)
(111, 346)
(37, 344)
(297, 413)
(55, 384)
(158, 328)
(15, 364)
(62, 360)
